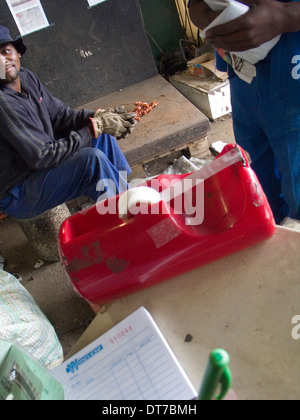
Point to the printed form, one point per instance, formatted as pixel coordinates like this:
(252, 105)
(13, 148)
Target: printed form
(132, 361)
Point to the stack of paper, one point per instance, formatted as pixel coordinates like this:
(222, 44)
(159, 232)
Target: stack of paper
(132, 361)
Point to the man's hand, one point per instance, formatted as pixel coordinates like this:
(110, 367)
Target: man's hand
(126, 116)
(109, 123)
(201, 15)
(265, 20)
(116, 122)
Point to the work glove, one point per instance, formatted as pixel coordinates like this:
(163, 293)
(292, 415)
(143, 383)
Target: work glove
(127, 116)
(114, 121)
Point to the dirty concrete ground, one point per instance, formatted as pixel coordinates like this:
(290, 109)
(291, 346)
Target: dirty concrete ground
(49, 285)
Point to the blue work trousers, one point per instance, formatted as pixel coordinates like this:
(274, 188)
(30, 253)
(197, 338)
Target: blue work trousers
(92, 172)
(269, 130)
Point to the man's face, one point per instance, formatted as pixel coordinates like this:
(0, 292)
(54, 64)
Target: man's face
(9, 64)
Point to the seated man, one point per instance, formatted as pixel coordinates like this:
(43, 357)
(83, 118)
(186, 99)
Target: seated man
(49, 153)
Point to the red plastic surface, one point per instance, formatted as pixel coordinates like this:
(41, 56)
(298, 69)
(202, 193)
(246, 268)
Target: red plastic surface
(107, 257)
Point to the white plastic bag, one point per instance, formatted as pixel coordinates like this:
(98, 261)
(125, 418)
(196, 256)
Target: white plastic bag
(22, 321)
(231, 10)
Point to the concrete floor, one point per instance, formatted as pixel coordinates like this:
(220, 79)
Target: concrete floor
(69, 314)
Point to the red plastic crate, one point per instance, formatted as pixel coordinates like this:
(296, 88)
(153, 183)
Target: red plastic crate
(107, 257)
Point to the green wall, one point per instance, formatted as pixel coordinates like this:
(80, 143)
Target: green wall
(163, 26)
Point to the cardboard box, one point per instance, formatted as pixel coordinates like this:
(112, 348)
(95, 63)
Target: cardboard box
(204, 67)
(212, 97)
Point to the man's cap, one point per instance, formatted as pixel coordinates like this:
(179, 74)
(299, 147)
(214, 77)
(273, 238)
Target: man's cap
(5, 38)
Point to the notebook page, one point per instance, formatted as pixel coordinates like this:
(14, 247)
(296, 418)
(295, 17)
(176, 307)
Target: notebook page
(132, 361)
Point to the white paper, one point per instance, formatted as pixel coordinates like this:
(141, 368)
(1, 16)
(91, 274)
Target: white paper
(95, 2)
(232, 10)
(29, 15)
(245, 70)
(132, 361)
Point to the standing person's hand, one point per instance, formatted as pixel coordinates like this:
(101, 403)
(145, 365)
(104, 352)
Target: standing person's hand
(265, 20)
(201, 15)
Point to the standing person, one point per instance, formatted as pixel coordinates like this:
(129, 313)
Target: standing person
(266, 111)
(49, 153)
